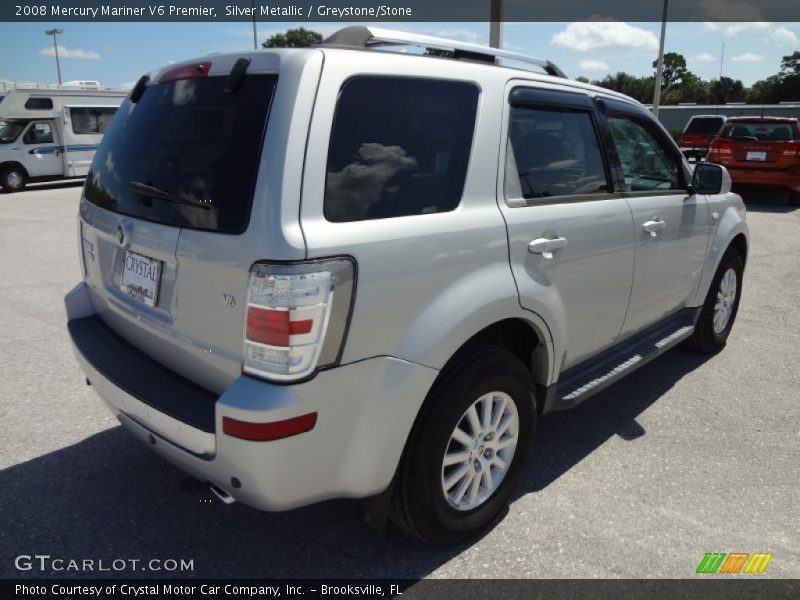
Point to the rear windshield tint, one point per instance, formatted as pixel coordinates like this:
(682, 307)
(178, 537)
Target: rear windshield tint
(759, 131)
(185, 155)
(704, 126)
(399, 146)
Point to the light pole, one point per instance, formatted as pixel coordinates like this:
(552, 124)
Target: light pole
(496, 24)
(255, 37)
(54, 33)
(660, 63)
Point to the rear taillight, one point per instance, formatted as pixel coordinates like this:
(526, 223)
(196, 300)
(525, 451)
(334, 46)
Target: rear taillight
(792, 150)
(720, 148)
(297, 316)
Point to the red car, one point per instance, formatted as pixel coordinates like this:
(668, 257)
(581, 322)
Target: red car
(698, 134)
(760, 152)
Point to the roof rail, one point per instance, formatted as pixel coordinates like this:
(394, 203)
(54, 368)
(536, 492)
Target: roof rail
(372, 37)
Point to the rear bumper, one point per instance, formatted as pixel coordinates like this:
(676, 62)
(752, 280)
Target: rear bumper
(694, 150)
(764, 177)
(365, 413)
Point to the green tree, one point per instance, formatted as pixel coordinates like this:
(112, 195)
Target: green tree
(674, 69)
(725, 89)
(790, 77)
(582, 79)
(790, 65)
(765, 91)
(293, 38)
(640, 88)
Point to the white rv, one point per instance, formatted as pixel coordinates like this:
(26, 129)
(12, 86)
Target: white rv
(50, 132)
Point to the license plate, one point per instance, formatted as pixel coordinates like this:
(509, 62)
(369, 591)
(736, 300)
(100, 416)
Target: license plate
(762, 156)
(140, 277)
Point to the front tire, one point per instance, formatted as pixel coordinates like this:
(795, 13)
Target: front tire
(721, 305)
(467, 450)
(13, 179)
(794, 198)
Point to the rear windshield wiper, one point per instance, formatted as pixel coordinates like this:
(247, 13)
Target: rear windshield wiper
(154, 192)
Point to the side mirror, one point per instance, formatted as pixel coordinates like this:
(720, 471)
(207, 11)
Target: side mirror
(710, 178)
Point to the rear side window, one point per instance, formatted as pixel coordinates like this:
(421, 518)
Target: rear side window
(91, 119)
(399, 146)
(704, 125)
(39, 103)
(186, 154)
(555, 153)
(759, 131)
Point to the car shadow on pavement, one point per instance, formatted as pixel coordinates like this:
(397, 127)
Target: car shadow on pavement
(108, 497)
(49, 185)
(766, 200)
(567, 437)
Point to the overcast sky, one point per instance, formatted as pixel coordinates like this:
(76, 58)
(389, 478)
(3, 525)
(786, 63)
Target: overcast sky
(118, 53)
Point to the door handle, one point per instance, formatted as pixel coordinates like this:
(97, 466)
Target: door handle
(545, 246)
(652, 226)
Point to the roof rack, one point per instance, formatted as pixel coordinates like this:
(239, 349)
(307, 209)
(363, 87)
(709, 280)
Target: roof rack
(372, 37)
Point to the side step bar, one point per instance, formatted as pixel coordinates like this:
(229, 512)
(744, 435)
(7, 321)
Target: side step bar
(586, 379)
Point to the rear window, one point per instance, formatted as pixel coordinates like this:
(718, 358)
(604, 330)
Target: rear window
(185, 155)
(399, 146)
(704, 126)
(759, 131)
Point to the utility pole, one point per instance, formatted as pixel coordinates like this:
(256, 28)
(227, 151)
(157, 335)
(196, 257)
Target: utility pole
(54, 33)
(255, 36)
(496, 24)
(660, 63)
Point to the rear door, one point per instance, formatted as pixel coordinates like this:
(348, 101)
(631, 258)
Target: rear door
(42, 150)
(570, 236)
(670, 225)
(183, 161)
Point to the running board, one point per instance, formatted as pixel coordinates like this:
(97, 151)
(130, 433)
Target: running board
(583, 381)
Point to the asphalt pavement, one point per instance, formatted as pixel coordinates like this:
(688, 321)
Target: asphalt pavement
(689, 455)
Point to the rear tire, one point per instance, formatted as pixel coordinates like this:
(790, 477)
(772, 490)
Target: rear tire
(432, 499)
(721, 305)
(794, 198)
(12, 179)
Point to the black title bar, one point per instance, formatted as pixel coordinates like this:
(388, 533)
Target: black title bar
(398, 10)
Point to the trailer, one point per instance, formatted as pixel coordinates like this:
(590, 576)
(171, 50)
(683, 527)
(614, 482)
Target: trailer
(50, 132)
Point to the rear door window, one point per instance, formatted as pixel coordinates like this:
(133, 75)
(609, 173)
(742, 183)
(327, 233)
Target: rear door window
(555, 153)
(399, 146)
(186, 154)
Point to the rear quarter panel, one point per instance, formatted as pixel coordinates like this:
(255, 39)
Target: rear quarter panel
(426, 283)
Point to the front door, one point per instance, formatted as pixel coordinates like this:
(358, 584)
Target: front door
(670, 224)
(42, 152)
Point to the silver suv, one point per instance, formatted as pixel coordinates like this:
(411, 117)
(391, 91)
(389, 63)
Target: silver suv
(341, 272)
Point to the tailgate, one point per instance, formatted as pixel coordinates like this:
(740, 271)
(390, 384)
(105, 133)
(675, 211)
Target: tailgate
(165, 216)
